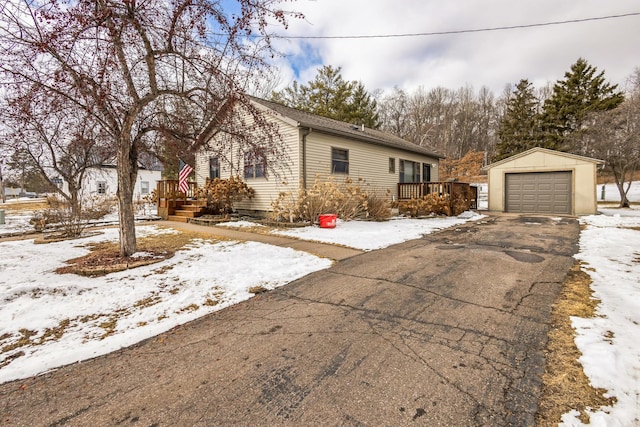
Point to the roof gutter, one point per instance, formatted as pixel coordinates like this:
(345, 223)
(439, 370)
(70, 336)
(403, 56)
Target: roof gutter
(305, 133)
(372, 140)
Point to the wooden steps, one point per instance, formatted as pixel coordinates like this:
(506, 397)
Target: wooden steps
(189, 209)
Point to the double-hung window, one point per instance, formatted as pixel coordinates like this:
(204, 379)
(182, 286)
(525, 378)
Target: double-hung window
(339, 160)
(255, 165)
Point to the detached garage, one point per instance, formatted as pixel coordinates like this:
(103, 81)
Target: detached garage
(545, 182)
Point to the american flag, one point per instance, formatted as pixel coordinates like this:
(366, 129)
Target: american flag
(185, 171)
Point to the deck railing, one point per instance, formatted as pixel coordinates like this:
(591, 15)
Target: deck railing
(170, 197)
(446, 189)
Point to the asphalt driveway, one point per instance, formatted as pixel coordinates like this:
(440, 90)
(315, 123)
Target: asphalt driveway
(444, 330)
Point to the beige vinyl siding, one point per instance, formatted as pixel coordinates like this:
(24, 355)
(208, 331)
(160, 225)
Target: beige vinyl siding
(285, 177)
(367, 161)
(583, 177)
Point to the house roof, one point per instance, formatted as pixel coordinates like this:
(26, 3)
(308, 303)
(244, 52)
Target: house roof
(323, 124)
(547, 151)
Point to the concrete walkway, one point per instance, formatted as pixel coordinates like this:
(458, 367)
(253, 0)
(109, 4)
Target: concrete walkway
(447, 330)
(319, 249)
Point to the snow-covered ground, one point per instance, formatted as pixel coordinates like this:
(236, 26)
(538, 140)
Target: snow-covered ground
(16, 222)
(611, 193)
(610, 342)
(64, 318)
(367, 236)
(74, 318)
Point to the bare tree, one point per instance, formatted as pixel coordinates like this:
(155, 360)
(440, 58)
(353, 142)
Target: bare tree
(393, 111)
(54, 141)
(614, 136)
(143, 72)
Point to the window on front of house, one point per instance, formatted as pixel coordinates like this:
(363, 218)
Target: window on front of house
(255, 165)
(339, 160)
(392, 165)
(102, 187)
(144, 187)
(214, 168)
(409, 171)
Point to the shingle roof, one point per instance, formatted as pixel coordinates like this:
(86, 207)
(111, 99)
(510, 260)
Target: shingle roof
(336, 127)
(543, 150)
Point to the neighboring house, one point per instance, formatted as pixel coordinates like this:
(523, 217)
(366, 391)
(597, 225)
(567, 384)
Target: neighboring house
(544, 181)
(103, 180)
(322, 147)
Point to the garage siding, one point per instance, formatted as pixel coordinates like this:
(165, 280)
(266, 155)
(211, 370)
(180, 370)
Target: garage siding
(538, 192)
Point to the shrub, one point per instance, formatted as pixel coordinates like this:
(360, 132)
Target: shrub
(347, 199)
(222, 194)
(69, 222)
(431, 204)
(435, 204)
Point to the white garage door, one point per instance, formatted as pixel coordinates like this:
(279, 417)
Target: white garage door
(538, 192)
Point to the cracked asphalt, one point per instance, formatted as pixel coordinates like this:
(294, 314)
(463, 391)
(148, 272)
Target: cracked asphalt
(445, 330)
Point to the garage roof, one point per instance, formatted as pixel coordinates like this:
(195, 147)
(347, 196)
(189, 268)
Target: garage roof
(547, 151)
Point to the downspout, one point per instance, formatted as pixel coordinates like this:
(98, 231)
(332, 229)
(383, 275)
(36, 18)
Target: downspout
(305, 132)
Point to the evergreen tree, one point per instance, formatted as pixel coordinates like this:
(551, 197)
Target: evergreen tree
(583, 91)
(519, 128)
(362, 108)
(329, 95)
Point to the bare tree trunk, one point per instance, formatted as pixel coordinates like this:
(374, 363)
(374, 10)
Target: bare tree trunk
(619, 177)
(127, 172)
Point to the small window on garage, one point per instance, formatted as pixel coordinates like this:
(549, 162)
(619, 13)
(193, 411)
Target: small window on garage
(339, 160)
(144, 187)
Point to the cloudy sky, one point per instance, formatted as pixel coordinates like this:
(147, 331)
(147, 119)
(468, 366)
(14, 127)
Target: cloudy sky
(492, 58)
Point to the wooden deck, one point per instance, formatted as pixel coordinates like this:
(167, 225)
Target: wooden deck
(176, 205)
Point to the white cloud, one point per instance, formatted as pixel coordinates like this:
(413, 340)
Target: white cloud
(493, 59)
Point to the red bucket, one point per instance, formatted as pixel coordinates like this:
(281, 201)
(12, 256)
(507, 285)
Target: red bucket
(327, 220)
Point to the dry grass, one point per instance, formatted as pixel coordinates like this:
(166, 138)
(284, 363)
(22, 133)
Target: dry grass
(565, 386)
(104, 257)
(25, 206)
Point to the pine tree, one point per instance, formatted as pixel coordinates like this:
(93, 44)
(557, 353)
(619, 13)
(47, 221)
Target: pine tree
(519, 128)
(362, 109)
(582, 91)
(329, 95)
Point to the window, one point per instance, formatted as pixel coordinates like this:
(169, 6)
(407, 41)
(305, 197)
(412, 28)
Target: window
(144, 187)
(392, 165)
(57, 181)
(102, 187)
(255, 165)
(409, 171)
(214, 168)
(339, 160)
(426, 172)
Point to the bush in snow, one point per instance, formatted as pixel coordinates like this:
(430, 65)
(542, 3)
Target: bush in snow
(347, 199)
(222, 194)
(69, 222)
